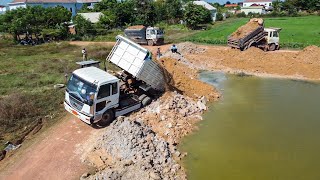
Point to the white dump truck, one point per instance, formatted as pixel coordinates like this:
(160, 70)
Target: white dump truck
(97, 97)
(145, 35)
(267, 39)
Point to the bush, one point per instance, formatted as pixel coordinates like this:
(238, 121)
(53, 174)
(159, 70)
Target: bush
(195, 15)
(242, 14)
(219, 17)
(16, 106)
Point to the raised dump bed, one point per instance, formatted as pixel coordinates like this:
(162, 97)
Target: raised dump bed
(136, 60)
(243, 37)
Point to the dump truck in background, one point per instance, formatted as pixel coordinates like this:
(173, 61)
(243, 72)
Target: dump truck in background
(145, 35)
(97, 97)
(255, 34)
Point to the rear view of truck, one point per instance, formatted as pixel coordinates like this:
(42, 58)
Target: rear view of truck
(145, 35)
(246, 35)
(254, 34)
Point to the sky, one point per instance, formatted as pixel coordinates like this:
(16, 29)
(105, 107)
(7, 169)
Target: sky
(224, 1)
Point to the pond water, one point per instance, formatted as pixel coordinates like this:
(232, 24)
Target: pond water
(261, 129)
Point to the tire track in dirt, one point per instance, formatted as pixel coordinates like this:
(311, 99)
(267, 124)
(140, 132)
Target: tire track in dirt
(53, 156)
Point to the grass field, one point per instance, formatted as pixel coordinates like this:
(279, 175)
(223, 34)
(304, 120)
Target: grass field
(27, 78)
(297, 32)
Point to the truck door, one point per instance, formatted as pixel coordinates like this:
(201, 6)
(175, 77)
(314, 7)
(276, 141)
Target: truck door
(148, 34)
(275, 37)
(107, 97)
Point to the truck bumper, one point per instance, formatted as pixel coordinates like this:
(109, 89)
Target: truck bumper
(82, 117)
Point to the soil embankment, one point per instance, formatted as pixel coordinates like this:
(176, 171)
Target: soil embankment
(304, 64)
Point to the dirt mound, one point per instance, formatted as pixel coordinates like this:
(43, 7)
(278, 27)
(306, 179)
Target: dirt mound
(311, 49)
(244, 30)
(310, 55)
(136, 27)
(190, 48)
(131, 150)
(184, 80)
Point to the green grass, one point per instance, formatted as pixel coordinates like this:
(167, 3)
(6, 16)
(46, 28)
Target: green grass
(173, 33)
(27, 75)
(297, 32)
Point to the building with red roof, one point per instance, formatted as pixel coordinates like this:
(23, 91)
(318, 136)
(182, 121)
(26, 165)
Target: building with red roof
(265, 3)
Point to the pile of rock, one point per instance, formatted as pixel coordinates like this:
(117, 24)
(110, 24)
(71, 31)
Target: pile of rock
(190, 48)
(137, 153)
(185, 105)
(178, 103)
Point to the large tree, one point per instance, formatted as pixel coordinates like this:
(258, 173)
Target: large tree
(195, 15)
(83, 26)
(144, 11)
(173, 10)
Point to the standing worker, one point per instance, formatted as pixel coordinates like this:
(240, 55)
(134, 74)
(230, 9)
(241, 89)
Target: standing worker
(84, 54)
(158, 53)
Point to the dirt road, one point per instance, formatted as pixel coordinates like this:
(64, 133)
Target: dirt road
(52, 156)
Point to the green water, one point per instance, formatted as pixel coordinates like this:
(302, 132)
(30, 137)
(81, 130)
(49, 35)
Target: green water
(262, 129)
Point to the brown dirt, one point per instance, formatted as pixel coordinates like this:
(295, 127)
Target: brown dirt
(244, 30)
(52, 155)
(184, 80)
(136, 27)
(303, 64)
(87, 43)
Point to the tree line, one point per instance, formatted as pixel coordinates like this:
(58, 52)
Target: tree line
(36, 21)
(148, 12)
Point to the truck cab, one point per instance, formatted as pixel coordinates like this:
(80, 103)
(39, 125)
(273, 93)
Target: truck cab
(272, 38)
(97, 97)
(155, 34)
(90, 93)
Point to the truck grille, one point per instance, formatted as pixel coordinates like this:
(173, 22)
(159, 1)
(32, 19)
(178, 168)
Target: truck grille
(75, 103)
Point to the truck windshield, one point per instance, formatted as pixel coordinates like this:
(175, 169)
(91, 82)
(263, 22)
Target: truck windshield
(80, 89)
(159, 32)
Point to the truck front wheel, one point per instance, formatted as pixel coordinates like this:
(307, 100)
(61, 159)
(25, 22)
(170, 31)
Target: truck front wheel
(272, 47)
(146, 101)
(150, 43)
(107, 118)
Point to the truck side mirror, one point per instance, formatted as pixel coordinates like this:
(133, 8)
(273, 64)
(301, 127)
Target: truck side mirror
(91, 98)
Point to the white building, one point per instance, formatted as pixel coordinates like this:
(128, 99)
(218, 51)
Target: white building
(2, 9)
(265, 3)
(253, 9)
(206, 5)
(93, 17)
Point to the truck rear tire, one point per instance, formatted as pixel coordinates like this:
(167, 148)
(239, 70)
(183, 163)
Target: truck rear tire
(107, 118)
(142, 97)
(150, 43)
(146, 101)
